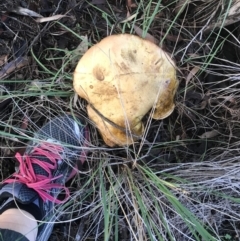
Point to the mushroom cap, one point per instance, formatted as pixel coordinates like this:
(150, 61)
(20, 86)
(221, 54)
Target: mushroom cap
(123, 77)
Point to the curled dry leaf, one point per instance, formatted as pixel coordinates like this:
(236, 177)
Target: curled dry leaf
(209, 134)
(192, 73)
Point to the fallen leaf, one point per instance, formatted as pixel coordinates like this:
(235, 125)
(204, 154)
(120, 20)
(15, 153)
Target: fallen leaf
(209, 134)
(131, 5)
(49, 19)
(129, 18)
(26, 12)
(203, 105)
(148, 36)
(13, 65)
(192, 73)
(3, 60)
(205, 100)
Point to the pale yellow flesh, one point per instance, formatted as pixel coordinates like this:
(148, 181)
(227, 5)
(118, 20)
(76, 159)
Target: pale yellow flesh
(123, 77)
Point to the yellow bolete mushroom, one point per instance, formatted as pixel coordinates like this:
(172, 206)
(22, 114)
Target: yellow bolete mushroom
(123, 77)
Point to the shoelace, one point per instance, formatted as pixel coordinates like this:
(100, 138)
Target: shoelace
(40, 183)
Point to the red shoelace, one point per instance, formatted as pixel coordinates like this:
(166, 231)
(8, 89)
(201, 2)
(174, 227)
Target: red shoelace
(40, 183)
